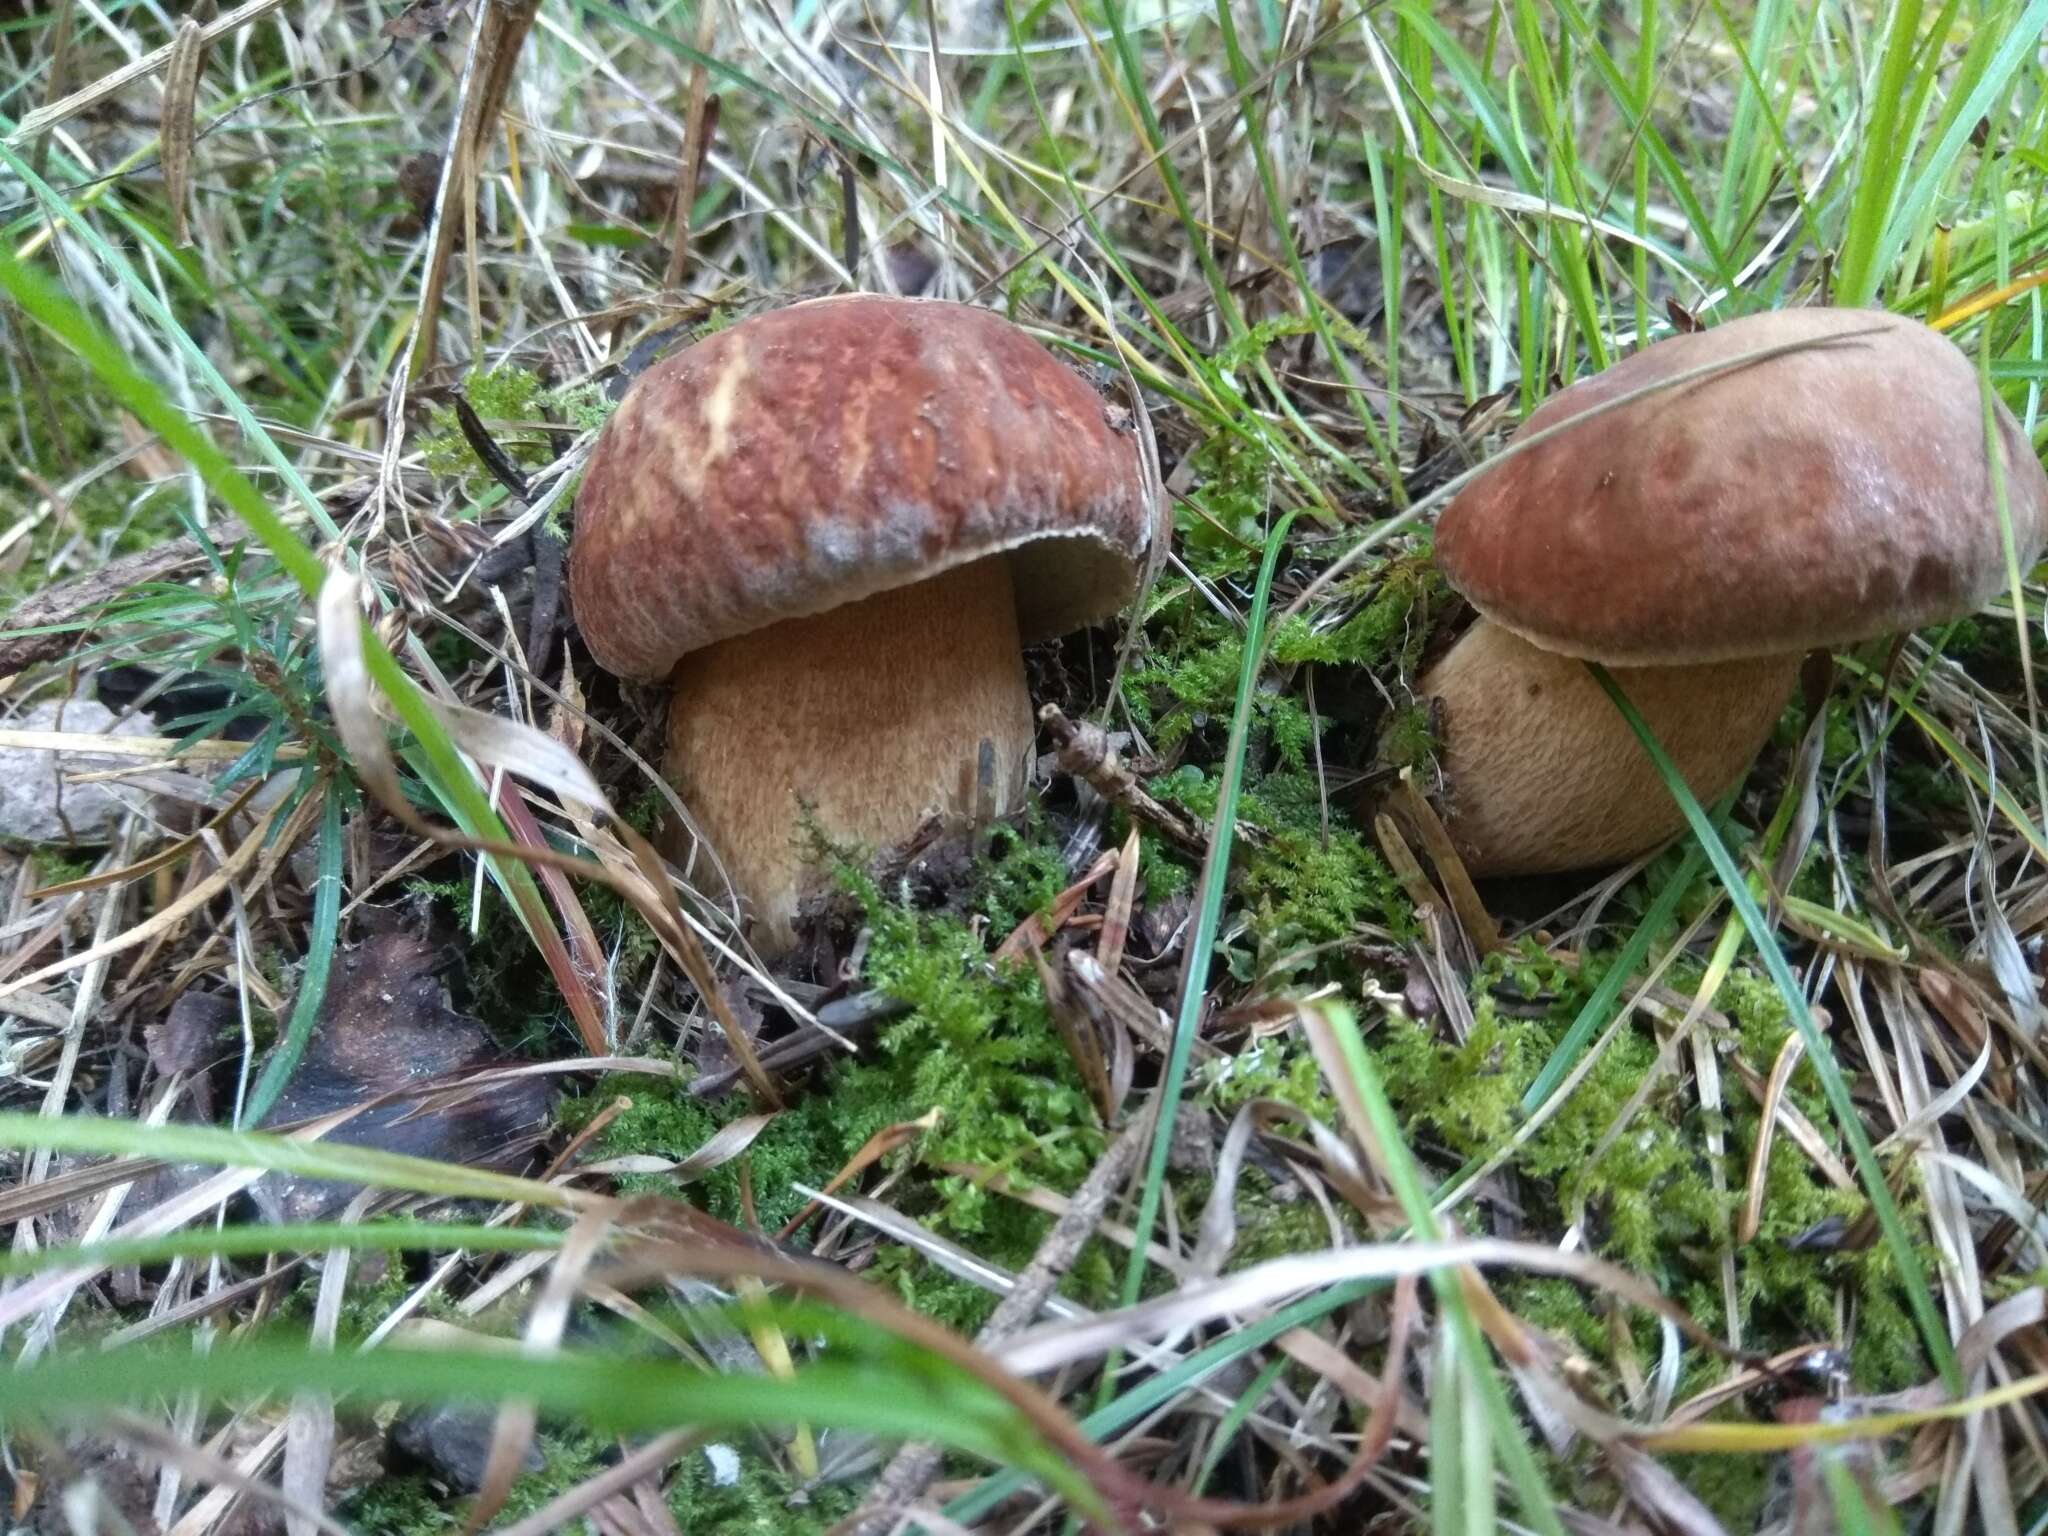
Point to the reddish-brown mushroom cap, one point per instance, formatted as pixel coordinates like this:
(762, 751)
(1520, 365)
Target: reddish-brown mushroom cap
(813, 456)
(1813, 498)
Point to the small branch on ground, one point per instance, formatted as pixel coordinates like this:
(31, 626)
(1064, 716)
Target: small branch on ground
(1085, 751)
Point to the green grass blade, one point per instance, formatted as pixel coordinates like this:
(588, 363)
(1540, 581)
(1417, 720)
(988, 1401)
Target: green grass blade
(1599, 1008)
(320, 946)
(146, 300)
(2008, 51)
(926, 1400)
(1491, 1425)
(1209, 914)
(1242, 1409)
(1155, 141)
(1912, 1276)
(51, 308)
(1154, 1391)
(1251, 106)
(276, 1154)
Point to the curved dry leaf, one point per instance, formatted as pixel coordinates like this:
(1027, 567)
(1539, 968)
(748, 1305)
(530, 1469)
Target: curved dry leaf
(1340, 1166)
(181, 100)
(1116, 913)
(872, 1151)
(727, 1143)
(1217, 1233)
(1262, 1285)
(1658, 1493)
(2028, 1217)
(1790, 1054)
(522, 750)
(513, 1432)
(34, 124)
(163, 858)
(351, 697)
(1941, 1106)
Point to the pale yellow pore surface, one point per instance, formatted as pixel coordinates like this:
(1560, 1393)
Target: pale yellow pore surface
(1543, 774)
(873, 715)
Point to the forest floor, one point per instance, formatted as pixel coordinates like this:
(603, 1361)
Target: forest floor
(1698, 1194)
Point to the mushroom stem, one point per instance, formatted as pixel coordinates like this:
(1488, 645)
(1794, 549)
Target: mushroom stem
(858, 722)
(1543, 774)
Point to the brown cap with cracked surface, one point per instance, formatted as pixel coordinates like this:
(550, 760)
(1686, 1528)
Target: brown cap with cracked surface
(1814, 498)
(815, 455)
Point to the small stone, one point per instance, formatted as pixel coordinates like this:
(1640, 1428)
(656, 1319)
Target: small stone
(37, 806)
(453, 1443)
(725, 1465)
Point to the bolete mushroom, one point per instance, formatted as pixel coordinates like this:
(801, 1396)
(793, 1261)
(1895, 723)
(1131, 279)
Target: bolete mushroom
(833, 527)
(1699, 541)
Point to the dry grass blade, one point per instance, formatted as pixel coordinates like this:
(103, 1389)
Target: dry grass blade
(910, 1472)
(34, 124)
(1789, 1055)
(690, 161)
(1473, 918)
(1261, 1285)
(155, 749)
(1292, 297)
(181, 100)
(501, 28)
(1083, 1039)
(513, 1432)
(872, 1151)
(309, 1428)
(171, 853)
(164, 1445)
(167, 918)
(1116, 914)
(644, 1462)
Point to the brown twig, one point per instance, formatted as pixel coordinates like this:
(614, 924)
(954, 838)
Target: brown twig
(76, 602)
(501, 32)
(700, 122)
(1085, 751)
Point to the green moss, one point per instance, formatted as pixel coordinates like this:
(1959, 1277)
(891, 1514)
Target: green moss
(1189, 677)
(501, 396)
(1161, 869)
(1222, 527)
(978, 1046)
(53, 867)
(1268, 1229)
(568, 1457)
(1733, 1487)
(1278, 1067)
(1463, 1095)
(1388, 630)
(1648, 1197)
(1302, 891)
(413, 1504)
(1019, 873)
(398, 1505)
(759, 1500)
(1299, 888)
